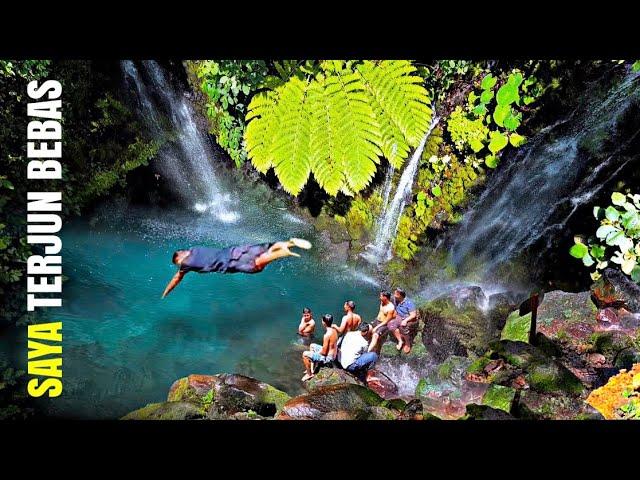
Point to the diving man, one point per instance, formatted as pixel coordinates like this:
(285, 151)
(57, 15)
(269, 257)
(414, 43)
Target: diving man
(244, 259)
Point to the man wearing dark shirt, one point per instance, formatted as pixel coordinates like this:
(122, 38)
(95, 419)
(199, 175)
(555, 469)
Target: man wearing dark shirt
(407, 314)
(243, 259)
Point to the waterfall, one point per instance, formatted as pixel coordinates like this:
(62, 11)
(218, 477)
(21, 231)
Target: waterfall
(532, 197)
(386, 188)
(391, 213)
(186, 158)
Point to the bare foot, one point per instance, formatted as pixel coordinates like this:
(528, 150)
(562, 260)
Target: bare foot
(406, 348)
(399, 345)
(307, 376)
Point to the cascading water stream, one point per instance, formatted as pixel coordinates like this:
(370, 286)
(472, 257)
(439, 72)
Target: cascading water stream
(380, 250)
(186, 158)
(542, 186)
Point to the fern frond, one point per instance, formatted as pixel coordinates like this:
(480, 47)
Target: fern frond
(402, 102)
(338, 125)
(261, 115)
(289, 150)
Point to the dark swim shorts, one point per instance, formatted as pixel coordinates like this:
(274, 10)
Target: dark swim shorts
(224, 260)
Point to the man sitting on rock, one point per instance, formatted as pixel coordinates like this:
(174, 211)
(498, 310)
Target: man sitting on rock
(381, 323)
(321, 355)
(353, 354)
(350, 321)
(407, 320)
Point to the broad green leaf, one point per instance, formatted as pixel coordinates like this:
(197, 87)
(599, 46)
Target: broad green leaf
(579, 250)
(486, 96)
(476, 145)
(507, 94)
(618, 198)
(612, 214)
(437, 191)
(515, 79)
(605, 230)
(488, 82)
(597, 251)
(512, 122)
(630, 220)
(480, 110)
(491, 161)
(587, 260)
(422, 196)
(628, 265)
(498, 142)
(614, 237)
(516, 140)
(625, 244)
(636, 66)
(500, 113)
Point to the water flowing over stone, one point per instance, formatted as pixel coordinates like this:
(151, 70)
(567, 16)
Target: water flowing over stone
(186, 155)
(564, 166)
(392, 212)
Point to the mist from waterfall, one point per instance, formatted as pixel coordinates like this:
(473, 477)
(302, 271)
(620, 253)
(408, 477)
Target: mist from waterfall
(186, 155)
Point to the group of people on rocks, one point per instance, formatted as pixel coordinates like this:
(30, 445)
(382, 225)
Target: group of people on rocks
(354, 345)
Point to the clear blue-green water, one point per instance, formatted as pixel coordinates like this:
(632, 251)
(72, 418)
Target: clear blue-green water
(123, 346)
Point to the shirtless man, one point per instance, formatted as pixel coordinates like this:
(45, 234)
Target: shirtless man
(324, 354)
(307, 323)
(350, 321)
(244, 259)
(386, 313)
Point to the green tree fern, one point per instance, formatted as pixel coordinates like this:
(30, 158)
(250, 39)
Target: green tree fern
(337, 124)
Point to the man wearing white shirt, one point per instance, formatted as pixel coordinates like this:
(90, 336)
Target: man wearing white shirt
(353, 355)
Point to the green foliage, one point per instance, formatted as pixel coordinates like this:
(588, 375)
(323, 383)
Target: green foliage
(617, 239)
(228, 84)
(443, 75)
(494, 112)
(337, 123)
(636, 66)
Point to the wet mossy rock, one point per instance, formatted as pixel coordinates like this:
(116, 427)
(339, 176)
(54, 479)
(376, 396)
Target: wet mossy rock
(499, 398)
(543, 373)
(553, 406)
(229, 394)
(355, 400)
(450, 329)
(485, 412)
(517, 327)
(192, 388)
(167, 411)
(329, 376)
(615, 289)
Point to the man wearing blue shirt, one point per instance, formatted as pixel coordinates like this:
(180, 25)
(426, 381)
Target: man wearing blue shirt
(407, 313)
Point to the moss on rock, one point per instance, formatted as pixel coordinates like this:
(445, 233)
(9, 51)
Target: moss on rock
(166, 411)
(517, 328)
(499, 397)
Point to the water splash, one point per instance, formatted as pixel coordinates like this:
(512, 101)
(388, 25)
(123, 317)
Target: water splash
(186, 154)
(391, 214)
(544, 184)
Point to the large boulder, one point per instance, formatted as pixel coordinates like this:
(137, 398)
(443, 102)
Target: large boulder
(329, 376)
(381, 384)
(342, 401)
(167, 411)
(615, 289)
(228, 394)
(451, 330)
(542, 372)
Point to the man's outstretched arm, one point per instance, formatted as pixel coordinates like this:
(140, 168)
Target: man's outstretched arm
(177, 278)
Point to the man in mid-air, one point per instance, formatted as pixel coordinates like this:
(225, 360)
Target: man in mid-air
(244, 259)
